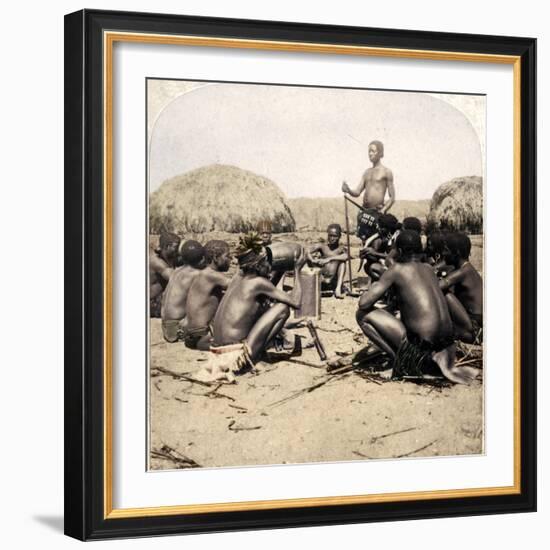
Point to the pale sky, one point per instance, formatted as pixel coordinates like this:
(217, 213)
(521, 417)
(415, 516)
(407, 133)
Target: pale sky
(307, 140)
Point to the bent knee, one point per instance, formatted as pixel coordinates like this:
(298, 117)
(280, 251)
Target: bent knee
(282, 311)
(360, 316)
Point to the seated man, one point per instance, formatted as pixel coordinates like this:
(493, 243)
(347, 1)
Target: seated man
(421, 342)
(205, 295)
(332, 261)
(379, 250)
(175, 295)
(412, 224)
(162, 262)
(466, 300)
(436, 250)
(253, 311)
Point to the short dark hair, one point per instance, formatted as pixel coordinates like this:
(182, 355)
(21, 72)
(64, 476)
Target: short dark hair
(413, 224)
(436, 243)
(336, 226)
(166, 239)
(214, 249)
(388, 221)
(459, 244)
(379, 146)
(408, 242)
(192, 252)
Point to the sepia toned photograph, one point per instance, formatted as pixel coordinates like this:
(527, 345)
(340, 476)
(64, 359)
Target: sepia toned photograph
(315, 274)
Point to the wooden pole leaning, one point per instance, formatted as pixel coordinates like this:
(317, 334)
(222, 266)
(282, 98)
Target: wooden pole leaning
(348, 242)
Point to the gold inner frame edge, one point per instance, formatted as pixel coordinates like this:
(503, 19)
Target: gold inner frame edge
(109, 39)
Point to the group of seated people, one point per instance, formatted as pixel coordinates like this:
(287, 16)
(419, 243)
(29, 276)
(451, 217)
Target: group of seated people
(422, 297)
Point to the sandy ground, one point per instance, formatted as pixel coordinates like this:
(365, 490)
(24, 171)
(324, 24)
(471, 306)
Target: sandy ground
(269, 417)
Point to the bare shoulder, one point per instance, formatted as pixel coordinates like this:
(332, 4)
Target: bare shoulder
(156, 262)
(217, 278)
(387, 172)
(368, 172)
(261, 285)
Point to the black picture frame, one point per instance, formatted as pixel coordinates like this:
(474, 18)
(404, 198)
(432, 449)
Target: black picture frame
(85, 516)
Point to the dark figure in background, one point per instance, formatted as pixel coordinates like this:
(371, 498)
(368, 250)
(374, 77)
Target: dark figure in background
(205, 294)
(175, 295)
(466, 299)
(332, 261)
(253, 311)
(412, 224)
(436, 251)
(162, 262)
(421, 342)
(379, 251)
(265, 230)
(375, 182)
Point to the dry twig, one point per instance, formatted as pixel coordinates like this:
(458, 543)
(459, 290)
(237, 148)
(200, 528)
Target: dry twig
(416, 450)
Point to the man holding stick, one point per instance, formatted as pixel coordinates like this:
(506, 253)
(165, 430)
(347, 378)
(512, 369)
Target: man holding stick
(375, 183)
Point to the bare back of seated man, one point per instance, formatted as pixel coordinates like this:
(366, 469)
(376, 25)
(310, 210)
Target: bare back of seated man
(205, 295)
(422, 341)
(253, 310)
(161, 266)
(175, 295)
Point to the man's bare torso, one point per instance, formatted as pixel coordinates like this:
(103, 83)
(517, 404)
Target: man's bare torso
(376, 184)
(175, 295)
(240, 308)
(204, 297)
(424, 310)
(469, 290)
(157, 267)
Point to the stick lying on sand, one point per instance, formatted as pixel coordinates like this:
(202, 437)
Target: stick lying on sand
(167, 453)
(337, 365)
(317, 341)
(174, 374)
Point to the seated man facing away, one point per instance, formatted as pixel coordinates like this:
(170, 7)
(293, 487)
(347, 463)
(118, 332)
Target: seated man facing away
(412, 224)
(253, 310)
(422, 341)
(466, 299)
(175, 295)
(205, 295)
(162, 262)
(379, 250)
(332, 261)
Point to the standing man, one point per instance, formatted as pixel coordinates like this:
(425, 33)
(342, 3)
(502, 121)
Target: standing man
(162, 262)
(375, 182)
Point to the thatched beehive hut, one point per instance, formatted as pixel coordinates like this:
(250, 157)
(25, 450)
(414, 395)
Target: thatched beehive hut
(458, 205)
(218, 198)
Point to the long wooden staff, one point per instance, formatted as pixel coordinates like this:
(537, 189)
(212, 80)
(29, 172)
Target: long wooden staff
(362, 208)
(348, 241)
